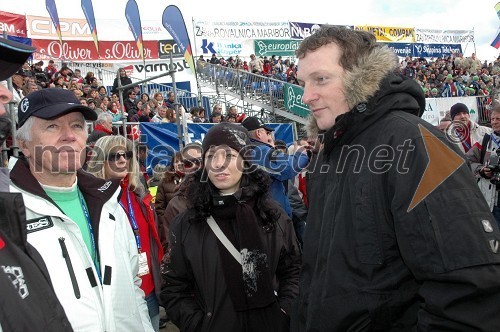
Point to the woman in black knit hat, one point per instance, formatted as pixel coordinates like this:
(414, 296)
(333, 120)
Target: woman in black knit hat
(234, 260)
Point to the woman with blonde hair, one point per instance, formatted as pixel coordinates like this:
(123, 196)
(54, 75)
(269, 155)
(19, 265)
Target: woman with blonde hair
(114, 157)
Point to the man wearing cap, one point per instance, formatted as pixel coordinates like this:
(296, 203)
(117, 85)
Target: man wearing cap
(281, 167)
(464, 131)
(27, 299)
(74, 219)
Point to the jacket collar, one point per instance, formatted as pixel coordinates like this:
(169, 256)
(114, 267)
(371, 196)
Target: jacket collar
(95, 191)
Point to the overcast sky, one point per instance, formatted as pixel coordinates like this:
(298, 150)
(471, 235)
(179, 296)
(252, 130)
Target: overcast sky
(479, 15)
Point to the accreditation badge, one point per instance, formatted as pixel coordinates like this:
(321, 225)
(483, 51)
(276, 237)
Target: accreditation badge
(143, 264)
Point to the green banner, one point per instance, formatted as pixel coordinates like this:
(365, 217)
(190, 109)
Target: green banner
(275, 46)
(293, 100)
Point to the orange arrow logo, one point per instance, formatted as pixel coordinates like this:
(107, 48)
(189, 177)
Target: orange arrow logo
(443, 162)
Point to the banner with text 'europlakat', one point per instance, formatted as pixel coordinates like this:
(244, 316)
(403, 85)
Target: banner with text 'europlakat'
(276, 47)
(162, 141)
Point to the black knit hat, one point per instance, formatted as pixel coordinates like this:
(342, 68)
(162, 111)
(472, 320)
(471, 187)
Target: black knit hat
(233, 135)
(458, 108)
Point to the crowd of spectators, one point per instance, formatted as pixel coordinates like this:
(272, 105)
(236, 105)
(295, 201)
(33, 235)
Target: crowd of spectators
(451, 76)
(137, 106)
(274, 67)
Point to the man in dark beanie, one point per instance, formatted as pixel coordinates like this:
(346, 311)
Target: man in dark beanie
(465, 131)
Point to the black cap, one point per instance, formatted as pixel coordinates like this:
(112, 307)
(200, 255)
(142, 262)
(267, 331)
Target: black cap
(51, 103)
(458, 108)
(12, 56)
(254, 123)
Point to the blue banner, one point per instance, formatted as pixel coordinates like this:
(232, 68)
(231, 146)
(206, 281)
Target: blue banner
(300, 30)
(134, 21)
(162, 140)
(420, 50)
(174, 23)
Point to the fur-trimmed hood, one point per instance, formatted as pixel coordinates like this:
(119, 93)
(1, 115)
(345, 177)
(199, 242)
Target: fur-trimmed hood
(372, 79)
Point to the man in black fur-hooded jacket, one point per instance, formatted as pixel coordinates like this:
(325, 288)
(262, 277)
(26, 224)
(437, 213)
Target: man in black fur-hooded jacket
(387, 247)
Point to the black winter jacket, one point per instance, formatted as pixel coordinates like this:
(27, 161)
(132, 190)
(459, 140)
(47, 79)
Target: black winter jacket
(196, 296)
(370, 262)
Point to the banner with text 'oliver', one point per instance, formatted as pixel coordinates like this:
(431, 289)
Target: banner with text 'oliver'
(276, 47)
(293, 100)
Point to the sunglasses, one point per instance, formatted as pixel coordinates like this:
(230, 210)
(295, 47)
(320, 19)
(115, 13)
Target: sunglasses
(190, 163)
(116, 156)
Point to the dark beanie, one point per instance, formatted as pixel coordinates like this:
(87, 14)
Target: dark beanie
(457, 108)
(233, 135)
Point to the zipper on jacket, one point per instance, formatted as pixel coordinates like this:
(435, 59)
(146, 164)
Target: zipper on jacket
(72, 275)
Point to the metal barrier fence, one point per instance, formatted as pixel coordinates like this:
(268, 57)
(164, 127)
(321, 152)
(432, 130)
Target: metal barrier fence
(106, 77)
(257, 87)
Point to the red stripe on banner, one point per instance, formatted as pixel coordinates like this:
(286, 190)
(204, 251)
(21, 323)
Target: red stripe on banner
(78, 50)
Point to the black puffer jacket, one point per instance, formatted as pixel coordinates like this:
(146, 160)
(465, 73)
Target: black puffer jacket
(370, 263)
(196, 297)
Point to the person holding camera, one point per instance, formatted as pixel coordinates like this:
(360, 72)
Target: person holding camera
(485, 164)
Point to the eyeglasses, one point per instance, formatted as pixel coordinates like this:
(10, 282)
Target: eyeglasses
(190, 163)
(116, 156)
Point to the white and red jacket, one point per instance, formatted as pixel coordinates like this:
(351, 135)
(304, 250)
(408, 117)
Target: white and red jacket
(111, 301)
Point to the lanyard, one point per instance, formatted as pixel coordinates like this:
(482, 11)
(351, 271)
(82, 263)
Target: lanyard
(463, 139)
(89, 225)
(495, 140)
(133, 222)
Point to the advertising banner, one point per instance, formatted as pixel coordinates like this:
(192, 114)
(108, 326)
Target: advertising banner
(88, 11)
(293, 100)
(40, 27)
(276, 47)
(390, 34)
(424, 50)
(224, 47)
(173, 21)
(242, 30)
(85, 50)
(134, 22)
(431, 36)
(162, 141)
(13, 24)
(301, 30)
